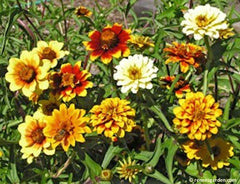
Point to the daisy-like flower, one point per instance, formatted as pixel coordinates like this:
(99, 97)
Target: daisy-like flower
(113, 117)
(135, 72)
(27, 74)
(82, 11)
(50, 52)
(141, 41)
(70, 81)
(33, 141)
(66, 126)
(180, 87)
(204, 20)
(222, 151)
(106, 175)
(110, 42)
(47, 106)
(126, 171)
(186, 54)
(192, 148)
(197, 116)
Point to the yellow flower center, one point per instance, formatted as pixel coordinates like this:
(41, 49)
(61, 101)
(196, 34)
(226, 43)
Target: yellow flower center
(198, 115)
(60, 134)
(27, 74)
(134, 73)
(38, 136)
(48, 53)
(68, 79)
(108, 39)
(203, 21)
(216, 151)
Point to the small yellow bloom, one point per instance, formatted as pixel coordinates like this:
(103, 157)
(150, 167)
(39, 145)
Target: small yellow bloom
(113, 117)
(197, 116)
(50, 52)
(106, 175)
(27, 74)
(1, 154)
(33, 141)
(82, 11)
(47, 106)
(141, 41)
(125, 171)
(226, 33)
(66, 126)
(191, 148)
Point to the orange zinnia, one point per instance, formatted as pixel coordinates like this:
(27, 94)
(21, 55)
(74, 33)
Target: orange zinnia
(71, 81)
(186, 54)
(66, 126)
(110, 42)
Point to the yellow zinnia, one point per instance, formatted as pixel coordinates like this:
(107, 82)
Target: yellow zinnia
(197, 116)
(51, 51)
(47, 106)
(27, 74)
(141, 41)
(113, 117)
(66, 126)
(33, 141)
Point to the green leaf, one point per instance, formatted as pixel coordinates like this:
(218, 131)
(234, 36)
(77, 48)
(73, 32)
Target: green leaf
(159, 176)
(157, 153)
(144, 155)
(227, 108)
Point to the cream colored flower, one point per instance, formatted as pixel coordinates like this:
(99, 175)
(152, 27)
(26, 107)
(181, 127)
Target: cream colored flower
(135, 72)
(204, 20)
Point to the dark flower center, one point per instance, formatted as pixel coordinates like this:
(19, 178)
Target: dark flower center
(216, 151)
(56, 80)
(48, 53)
(82, 11)
(108, 39)
(27, 74)
(49, 108)
(37, 136)
(61, 134)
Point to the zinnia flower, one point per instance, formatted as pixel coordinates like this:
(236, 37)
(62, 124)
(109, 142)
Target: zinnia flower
(66, 126)
(70, 81)
(226, 33)
(125, 171)
(135, 72)
(204, 20)
(197, 116)
(141, 41)
(33, 141)
(186, 54)
(192, 148)
(27, 74)
(113, 117)
(82, 11)
(47, 106)
(110, 42)
(180, 86)
(222, 151)
(51, 51)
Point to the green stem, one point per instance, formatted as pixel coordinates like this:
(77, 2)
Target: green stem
(65, 22)
(145, 127)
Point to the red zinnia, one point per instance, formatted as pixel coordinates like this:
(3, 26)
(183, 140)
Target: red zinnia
(111, 42)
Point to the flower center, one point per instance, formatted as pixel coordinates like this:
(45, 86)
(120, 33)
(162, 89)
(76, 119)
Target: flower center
(48, 53)
(216, 151)
(108, 39)
(27, 74)
(49, 108)
(198, 115)
(60, 135)
(134, 73)
(68, 79)
(37, 136)
(56, 80)
(202, 21)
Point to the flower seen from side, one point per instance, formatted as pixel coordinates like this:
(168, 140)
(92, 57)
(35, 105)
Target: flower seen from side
(186, 55)
(70, 81)
(108, 43)
(82, 11)
(33, 141)
(113, 117)
(26, 74)
(135, 72)
(192, 148)
(197, 116)
(47, 106)
(141, 41)
(50, 52)
(181, 86)
(226, 33)
(126, 171)
(204, 20)
(66, 126)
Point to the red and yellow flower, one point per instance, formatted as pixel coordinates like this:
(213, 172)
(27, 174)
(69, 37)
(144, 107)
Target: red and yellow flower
(180, 86)
(27, 74)
(110, 42)
(113, 117)
(70, 81)
(82, 11)
(197, 116)
(185, 54)
(50, 52)
(33, 141)
(66, 126)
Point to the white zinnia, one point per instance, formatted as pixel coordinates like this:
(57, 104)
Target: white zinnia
(135, 72)
(204, 20)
